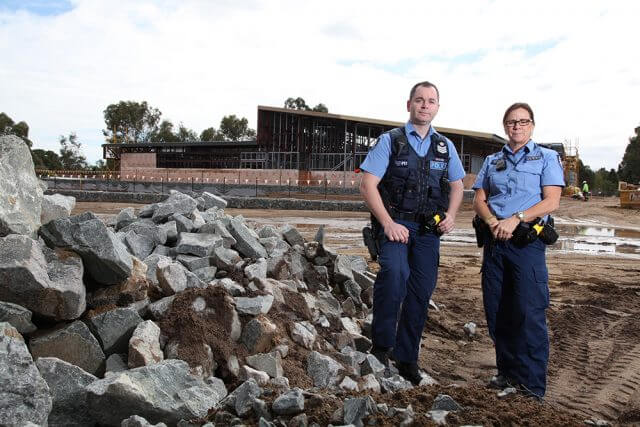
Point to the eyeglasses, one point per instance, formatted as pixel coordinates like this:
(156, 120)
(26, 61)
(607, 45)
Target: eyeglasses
(521, 122)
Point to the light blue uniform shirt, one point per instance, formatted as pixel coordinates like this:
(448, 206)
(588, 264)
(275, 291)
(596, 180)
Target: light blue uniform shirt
(377, 160)
(519, 185)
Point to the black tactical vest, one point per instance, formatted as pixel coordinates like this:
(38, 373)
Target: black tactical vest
(414, 184)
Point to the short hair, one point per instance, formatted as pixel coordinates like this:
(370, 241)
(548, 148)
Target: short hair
(423, 84)
(515, 106)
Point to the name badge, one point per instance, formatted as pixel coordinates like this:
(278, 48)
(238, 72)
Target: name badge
(437, 165)
(538, 157)
(402, 163)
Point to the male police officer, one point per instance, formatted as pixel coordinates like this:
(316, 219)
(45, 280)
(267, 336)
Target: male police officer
(412, 175)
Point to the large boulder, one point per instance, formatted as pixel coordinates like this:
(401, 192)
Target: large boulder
(105, 257)
(139, 246)
(18, 316)
(144, 227)
(72, 343)
(211, 200)
(163, 392)
(176, 203)
(24, 394)
(46, 282)
(323, 370)
(173, 278)
(67, 384)
(198, 244)
(345, 265)
(144, 345)
(125, 217)
(20, 191)
(114, 328)
(246, 243)
(56, 206)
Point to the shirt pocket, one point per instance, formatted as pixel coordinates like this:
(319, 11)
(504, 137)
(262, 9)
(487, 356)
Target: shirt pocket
(498, 181)
(530, 174)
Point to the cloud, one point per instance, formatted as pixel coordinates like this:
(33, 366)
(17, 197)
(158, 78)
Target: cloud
(197, 61)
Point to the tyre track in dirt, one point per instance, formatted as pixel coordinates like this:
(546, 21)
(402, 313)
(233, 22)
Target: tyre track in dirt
(622, 382)
(576, 358)
(595, 359)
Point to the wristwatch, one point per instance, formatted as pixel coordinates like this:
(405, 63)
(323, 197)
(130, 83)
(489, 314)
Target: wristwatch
(520, 216)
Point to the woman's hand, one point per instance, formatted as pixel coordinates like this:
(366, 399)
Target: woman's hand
(447, 224)
(503, 229)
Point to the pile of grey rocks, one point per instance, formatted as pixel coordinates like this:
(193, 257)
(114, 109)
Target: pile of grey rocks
(82, 302)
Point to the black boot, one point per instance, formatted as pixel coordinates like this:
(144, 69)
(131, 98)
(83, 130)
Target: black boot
(382, 354)
(409, 371)
(499, 382)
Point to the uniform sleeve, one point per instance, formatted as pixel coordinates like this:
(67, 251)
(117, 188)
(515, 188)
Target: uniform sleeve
(377, 159)
(552, 172)
(482, 179)
(455, 170)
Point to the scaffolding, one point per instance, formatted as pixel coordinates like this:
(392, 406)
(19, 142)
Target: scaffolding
(293, 139)
(571, 164)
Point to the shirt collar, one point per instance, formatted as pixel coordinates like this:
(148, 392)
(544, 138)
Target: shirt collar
(409, 129)
(528, 147)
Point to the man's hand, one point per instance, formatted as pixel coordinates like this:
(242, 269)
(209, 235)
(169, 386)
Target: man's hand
(503, 229)
(447, 224)
(396, 232)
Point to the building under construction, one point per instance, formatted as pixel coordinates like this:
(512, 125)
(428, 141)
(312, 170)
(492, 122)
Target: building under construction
(292, 140)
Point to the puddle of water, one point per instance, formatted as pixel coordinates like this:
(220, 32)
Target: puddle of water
(345, 234)
(599, 231)
(597, 240)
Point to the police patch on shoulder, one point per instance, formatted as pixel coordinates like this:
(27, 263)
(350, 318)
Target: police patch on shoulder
(441, 147)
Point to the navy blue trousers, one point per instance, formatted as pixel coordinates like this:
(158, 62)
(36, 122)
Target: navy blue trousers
(516, 294)
(405, 282)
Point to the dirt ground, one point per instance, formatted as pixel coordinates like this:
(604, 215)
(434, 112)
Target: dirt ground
(594, 326)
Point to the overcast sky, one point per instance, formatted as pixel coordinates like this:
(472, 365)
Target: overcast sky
(577, 63)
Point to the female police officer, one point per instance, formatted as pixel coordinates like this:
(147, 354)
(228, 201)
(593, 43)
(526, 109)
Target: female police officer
(519, 184)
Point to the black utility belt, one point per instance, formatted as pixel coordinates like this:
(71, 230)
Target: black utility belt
(524, 234)
(428, 221)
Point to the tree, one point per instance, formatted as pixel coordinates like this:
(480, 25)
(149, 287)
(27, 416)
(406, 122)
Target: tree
(605, 182)
(130, 122)
(71, 153)
(629, 168)
(48, 159)
(584, 174)
(164, 133)
(233, 128)
(6, 124)
(300, 104)
(186, 135)
(20, 129)
(321, 108)
(100, 165)
(210, 134)
(296, 104)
